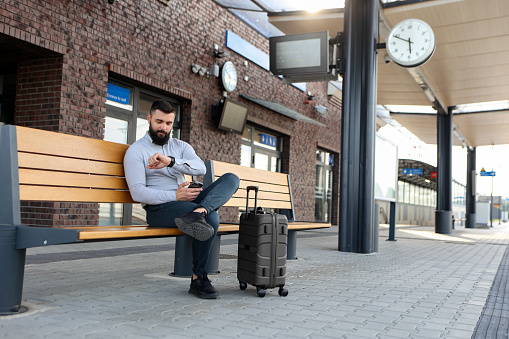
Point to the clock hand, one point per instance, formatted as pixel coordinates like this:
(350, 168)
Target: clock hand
(397, 37)
(410, 45)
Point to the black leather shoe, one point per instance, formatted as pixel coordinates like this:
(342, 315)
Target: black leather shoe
(195, 225)
(202, 288)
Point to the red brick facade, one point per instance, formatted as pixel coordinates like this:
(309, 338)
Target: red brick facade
(72, 48)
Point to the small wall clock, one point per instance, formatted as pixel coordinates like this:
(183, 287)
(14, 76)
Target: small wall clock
(229, 76)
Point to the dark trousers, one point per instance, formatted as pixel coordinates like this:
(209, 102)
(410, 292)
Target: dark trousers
(211, 198)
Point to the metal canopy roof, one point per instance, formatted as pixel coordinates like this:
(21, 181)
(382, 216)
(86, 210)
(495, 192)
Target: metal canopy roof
(470, 64)
(425, 180)
(278, 108)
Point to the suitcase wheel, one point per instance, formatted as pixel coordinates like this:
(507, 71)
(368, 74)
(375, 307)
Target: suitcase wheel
(282, 291)
(260, 292)
(242, 285)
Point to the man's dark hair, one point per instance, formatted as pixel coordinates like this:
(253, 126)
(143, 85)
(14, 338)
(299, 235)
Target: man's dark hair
(162, 105)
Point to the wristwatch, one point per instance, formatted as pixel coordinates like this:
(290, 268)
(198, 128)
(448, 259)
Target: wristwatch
(172, 162)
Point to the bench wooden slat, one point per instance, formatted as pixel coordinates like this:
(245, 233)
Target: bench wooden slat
(118, 232)
(252, 174)
(67, 194)
(136, 231)
(262, 195)
(292, 226)
(304, 225)
(50, 178)
(241, 202)
(44, 142)
(267, 187)
(47, 162)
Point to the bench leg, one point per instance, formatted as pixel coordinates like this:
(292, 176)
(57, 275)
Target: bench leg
(213, 263)
(12, 269)
(291, 250)
(183, 263)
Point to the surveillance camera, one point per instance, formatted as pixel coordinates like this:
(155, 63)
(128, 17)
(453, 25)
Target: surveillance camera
(321, 109)
(387, 59)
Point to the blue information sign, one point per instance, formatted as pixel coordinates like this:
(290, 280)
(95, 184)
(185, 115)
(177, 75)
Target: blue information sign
(487, 174)
(118, 94)
(268, 140)
(413, 171)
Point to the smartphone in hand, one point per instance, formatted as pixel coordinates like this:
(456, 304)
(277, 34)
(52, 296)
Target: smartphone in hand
(195, 184)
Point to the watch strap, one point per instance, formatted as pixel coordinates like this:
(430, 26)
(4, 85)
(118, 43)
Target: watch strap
(172, 162)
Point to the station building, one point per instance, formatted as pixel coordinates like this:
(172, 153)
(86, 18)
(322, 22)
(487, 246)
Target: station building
(92, 68)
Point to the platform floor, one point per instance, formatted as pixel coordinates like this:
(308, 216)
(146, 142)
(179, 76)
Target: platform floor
(424, 285)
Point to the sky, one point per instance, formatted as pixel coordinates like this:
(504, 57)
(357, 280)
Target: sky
(492, 158)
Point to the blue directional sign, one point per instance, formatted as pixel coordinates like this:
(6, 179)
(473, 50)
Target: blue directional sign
(413, 171)
(268, 140)
(487, 174)
(118, 94)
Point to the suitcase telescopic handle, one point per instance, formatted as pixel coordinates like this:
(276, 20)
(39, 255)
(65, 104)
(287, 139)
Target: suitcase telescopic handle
(251, 188)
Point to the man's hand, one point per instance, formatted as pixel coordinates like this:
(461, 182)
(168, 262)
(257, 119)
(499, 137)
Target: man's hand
(187, 194)
(158, 161)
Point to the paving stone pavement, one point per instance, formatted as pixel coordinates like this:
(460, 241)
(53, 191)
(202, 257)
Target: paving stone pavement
(424, 285)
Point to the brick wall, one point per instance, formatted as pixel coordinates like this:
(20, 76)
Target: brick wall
(154, 46)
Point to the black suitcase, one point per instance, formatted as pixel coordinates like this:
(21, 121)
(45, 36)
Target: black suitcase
(263, 239)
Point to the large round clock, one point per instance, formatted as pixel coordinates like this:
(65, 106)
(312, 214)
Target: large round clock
(411, 43)
(229, 76)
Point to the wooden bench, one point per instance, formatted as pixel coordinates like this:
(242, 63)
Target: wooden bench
(38, 165)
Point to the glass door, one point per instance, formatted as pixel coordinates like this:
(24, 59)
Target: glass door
(323, 186)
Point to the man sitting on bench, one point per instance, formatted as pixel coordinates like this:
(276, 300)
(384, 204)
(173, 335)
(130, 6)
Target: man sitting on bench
(154, 169)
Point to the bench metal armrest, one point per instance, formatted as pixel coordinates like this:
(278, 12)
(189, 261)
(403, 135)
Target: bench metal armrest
(30, 236)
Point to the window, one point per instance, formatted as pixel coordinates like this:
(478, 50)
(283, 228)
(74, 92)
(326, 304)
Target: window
(261, 149)
(126, 121)
(401, 191)
(411, 193)
(323, 186)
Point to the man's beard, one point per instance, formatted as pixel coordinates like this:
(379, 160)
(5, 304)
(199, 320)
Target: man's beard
(156, 139)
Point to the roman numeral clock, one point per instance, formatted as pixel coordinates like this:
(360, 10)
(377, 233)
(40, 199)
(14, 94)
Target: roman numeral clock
(411, 43)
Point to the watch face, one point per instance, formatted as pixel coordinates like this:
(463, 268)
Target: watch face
(411, 43)
(229, 76)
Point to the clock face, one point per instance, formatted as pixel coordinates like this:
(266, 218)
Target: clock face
(229, 76)
(411, 43)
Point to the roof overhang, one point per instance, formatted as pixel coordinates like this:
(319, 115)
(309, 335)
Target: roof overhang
(486, 128)
(278, 108)
(470, 64)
